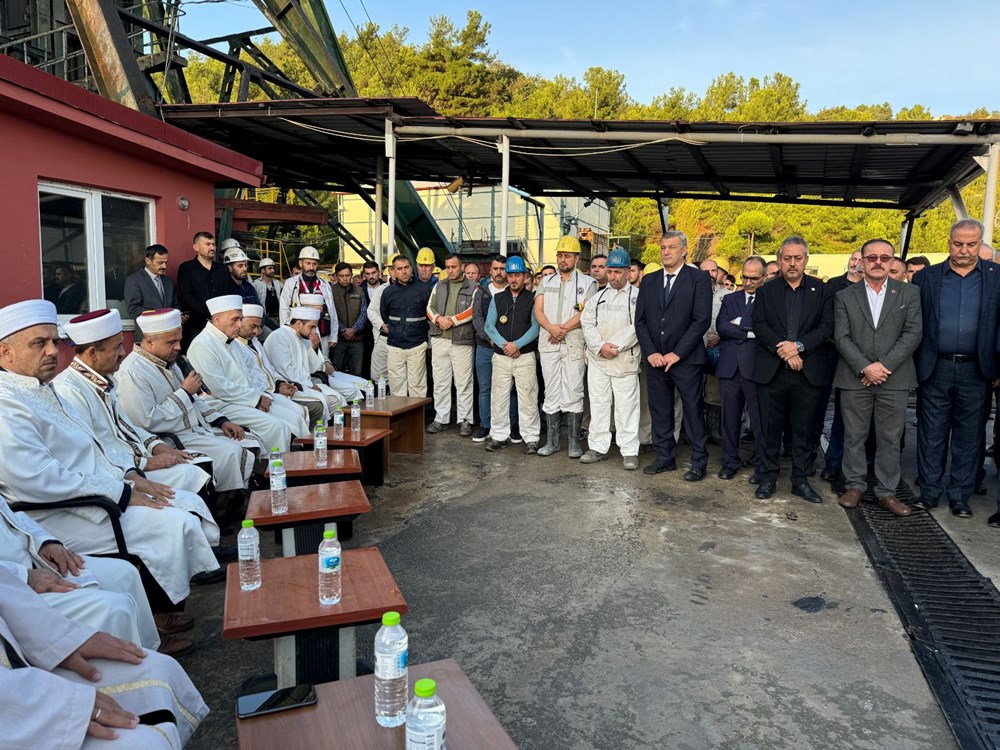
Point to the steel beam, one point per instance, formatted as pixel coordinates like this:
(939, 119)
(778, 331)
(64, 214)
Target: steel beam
(957, 202)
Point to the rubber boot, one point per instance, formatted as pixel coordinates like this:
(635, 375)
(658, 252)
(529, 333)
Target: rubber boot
(553, 423)
(575, 418)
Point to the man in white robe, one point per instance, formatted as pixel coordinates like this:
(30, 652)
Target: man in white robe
(102, 592)
(317, 291)
(156, 397)
(50, 454)
(299, 414)
(230, 388)
(66, 685)
(349, 386)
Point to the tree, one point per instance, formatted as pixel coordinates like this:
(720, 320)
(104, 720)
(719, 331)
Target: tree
(752, 225)
(651, 254)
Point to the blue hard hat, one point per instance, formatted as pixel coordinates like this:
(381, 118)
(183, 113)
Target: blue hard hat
(619, 258)
(515, 264)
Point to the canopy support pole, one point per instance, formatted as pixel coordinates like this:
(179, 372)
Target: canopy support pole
(504, 148)
(390, 154)
(990, 202)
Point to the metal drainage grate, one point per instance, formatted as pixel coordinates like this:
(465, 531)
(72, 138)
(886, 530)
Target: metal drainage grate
(949, 610)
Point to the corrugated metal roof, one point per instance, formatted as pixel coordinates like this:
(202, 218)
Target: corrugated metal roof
(335, 144)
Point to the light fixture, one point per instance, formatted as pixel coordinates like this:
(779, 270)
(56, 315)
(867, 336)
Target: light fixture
(182, 203)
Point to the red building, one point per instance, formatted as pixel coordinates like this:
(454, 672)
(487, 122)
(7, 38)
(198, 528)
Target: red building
(86, 184)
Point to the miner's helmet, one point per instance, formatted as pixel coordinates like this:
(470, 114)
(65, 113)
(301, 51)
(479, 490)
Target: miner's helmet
(568, 244)
(515, 264)
(619, 258)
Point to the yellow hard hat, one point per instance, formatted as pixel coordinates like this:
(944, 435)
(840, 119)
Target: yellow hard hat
(442, 275)
(568, 244)
(650, 267)
(391, 259)
(425, 256)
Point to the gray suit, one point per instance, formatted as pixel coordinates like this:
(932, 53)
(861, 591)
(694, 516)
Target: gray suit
(141, 294)
(861, 342)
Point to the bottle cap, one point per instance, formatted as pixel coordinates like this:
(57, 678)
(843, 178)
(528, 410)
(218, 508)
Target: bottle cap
(248, 523)
(424, 688)
(354, 401)
(390, 618)
(319, 422)
(275, 450)
(329, 534)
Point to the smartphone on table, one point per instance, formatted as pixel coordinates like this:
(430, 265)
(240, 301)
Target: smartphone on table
(271, 701)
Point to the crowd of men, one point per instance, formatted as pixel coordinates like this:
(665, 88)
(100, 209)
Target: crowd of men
(223, 371)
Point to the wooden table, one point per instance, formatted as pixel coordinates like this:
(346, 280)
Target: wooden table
(301, 468)
(286, 607)
(312, 509)
(372, 443)
(344, 717)
(404, 415)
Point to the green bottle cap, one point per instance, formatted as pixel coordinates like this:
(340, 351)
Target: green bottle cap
(248, 523)
(424, 688)
(275, 450)
(329, 534)
(354, 401)
(390, 618)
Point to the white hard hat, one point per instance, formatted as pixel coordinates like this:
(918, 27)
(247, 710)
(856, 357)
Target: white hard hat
(308, 253)
(266, 262)
(228, 243)
(234, 255)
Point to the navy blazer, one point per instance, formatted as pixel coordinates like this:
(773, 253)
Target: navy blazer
(929, 282)
(736, 350)
(680, 326)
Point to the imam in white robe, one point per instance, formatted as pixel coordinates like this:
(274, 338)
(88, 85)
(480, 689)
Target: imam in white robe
(295, 360)
(232, 391)
(45, 706)
(258, 367)
(50, 453)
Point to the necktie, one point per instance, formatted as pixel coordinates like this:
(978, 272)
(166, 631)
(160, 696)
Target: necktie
(747, 321)
(159, 286)
(669, 285)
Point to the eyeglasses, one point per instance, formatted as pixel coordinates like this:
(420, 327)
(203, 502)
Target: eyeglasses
(878, 258)
(752, 278)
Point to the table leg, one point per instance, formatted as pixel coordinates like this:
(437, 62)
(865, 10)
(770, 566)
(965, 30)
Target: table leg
(284, 661)
(348, 655)
(288, 542)
(317, 656)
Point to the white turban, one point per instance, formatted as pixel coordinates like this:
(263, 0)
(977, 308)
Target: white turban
(21, 315)
(312, 299)
(159, 321)
(305, 313)
(225, 303)
(253, 311)
(94, 326)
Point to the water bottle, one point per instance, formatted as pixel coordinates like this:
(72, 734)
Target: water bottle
(369, 395)
(391, 677)
(275, 454)
(338, 424)
(248, 543)
(355, 418)
(279, 496)
(329, 569)
(425, 718)
(319, 443)
(381, 387)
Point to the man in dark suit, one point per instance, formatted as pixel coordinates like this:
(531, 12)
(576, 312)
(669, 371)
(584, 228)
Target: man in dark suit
(199, 280)
(737, 350)
(673, 311)
(150, 288)
(876, 327)
(956, 362)
(792, 320)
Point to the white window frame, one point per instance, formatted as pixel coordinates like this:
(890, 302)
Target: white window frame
(93, 215)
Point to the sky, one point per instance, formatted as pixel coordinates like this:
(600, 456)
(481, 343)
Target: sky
(841, 53)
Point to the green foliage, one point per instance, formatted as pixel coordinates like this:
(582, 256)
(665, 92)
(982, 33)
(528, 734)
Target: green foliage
(651, 254)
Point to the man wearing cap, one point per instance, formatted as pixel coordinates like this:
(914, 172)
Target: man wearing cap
(150, 288)
(198, 280)
(513, 330)
(347, 385)
(50, 454)
(298, 416)
(294, 351)
(449, 311)
(230, 388)
(608, 324)
(380, 350)
(484, 351)
(426, 271)
(349, 302)
(559, 303)
(309, 282)
(404, 309)
(157, 397)
(268, 288)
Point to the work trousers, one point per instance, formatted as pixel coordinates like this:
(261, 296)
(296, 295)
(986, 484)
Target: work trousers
(380, 358)
(520, 372)
(484, 374)
(857, 407)
(563, 371)
(621, 391)
(348, 356)
(408, 371)
(451, 363)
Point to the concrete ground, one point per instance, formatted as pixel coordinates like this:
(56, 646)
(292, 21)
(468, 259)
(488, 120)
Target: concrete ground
(597, 608)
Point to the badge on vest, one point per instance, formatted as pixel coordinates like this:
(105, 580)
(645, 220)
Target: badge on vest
(503, 318)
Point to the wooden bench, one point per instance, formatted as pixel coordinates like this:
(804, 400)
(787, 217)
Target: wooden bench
(344, 717)
(313, 642)
(312, 509)
(300, 467)
(372, 444)
(404, 415)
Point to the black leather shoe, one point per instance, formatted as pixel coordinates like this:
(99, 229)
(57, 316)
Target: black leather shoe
(925, 503)
(694, 475)
(226, 554)
(962, 511)
(764, 490)
(829, 474)
(806, 492)
(980, 489)
(725, 473)
(755, 479)
(994, 520)
(659, 466)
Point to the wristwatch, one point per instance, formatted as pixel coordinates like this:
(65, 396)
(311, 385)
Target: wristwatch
(800, 346)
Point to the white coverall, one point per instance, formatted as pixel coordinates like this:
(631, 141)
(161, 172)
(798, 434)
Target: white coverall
(563, 364)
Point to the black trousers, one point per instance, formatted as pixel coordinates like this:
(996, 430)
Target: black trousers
(789, 396)
(689, 380)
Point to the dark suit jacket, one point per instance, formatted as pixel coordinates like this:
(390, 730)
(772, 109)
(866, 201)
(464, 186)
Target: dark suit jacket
(681, 326)
(815, 327)
(141, 294)
(891, 342)
(929, 283)
(736, 350)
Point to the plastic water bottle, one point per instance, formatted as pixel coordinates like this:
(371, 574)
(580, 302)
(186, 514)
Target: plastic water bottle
(329, 569)
(425, 718)
(381, 387)
(275, 454)
(319, 443)
(248, 543)
(279, 485)
(369, 395)
(391, 676)
(338, 424)
(355, 417)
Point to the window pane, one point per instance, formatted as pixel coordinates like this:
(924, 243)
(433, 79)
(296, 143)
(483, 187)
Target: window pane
(64, 252)
(126, 235)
